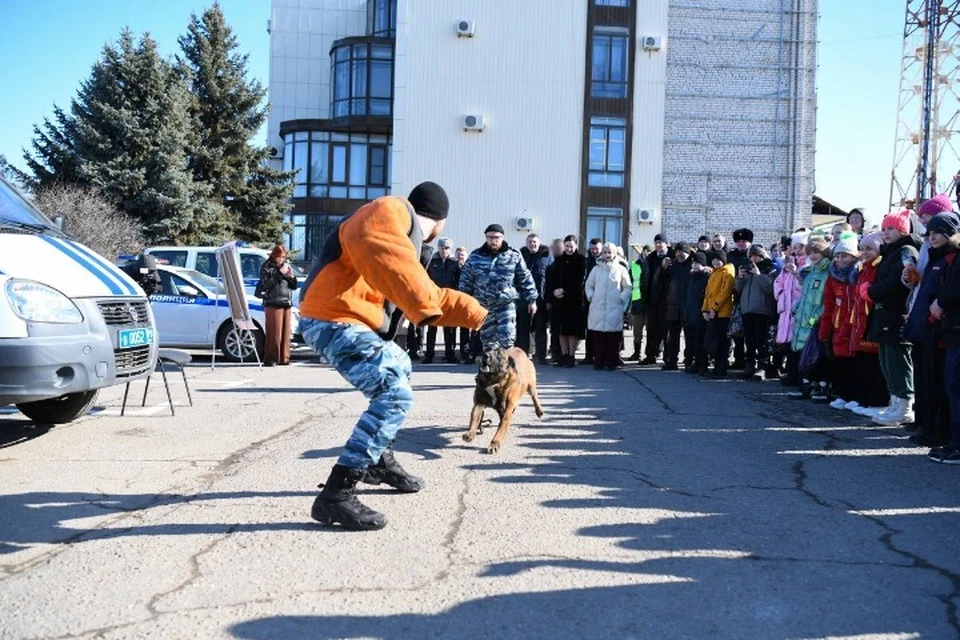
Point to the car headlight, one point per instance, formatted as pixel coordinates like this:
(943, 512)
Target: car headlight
(36, 302)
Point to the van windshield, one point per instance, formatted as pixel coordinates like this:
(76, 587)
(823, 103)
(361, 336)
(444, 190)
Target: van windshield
(15, 209)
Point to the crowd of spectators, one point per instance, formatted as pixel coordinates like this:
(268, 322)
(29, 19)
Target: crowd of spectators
(866, 320)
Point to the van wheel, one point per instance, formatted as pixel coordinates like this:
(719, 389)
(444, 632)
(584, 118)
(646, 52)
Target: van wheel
(59, 410)
(238, 346)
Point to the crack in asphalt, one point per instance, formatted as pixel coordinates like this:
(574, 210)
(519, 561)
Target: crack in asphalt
(886, 539)
(194, 574)
(666, 405)
(450, 540)
(917, 561)
(176, 495)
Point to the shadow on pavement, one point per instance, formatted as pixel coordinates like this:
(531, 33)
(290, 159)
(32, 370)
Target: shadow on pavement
(736, 513)
(43, 517)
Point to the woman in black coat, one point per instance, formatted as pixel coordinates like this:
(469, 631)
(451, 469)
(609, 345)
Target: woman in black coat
(565, 293)
(889, 295)
(277, 280)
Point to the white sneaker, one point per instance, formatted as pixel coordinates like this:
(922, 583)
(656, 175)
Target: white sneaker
(839, 403)
(880, 413)
(868, 412)
(900, 413)
(852, 406)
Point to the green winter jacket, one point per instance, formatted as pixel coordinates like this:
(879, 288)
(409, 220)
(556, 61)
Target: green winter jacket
(809, 308)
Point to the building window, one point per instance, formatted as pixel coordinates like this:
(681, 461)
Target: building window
(609, 70)
(362, 80)
(612, 3)
(608, 149)
(605, 223)
(382, 18)
(338, 165)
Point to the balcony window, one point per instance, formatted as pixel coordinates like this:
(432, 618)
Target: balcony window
(382, 18)
(362, 80)
(338, 165)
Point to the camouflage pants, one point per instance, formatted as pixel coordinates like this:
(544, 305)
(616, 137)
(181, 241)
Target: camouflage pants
(378, 368)
(500, 327)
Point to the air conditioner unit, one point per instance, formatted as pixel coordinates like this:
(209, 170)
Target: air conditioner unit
(276, 153)
(472, 122)
(525, 223)
(646, 216)
(652, 43)
(466, 28)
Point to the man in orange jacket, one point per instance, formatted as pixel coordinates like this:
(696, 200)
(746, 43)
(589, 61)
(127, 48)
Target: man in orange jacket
(369, 271)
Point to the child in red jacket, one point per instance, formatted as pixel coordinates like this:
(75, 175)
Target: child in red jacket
(871, 394)
(835, 323)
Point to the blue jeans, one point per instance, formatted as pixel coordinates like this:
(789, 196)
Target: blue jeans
(378, 368)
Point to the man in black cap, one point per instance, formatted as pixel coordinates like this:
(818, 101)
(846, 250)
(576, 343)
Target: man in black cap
(656, 288)
(678, 277)
(740, 259)
(496, 275)
(368, 268)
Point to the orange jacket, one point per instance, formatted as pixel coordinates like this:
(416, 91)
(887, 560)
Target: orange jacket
(376, 262)
(719, 294)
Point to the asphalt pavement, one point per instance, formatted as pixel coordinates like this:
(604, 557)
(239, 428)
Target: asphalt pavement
(645, 504)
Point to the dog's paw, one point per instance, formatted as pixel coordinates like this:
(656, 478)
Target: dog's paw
(467, 437)
(539, 413)
(494, 447)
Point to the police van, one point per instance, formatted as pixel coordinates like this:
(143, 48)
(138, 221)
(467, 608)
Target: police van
(70, 321)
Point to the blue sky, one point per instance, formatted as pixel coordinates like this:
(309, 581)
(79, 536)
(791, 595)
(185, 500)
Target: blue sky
(48, 47)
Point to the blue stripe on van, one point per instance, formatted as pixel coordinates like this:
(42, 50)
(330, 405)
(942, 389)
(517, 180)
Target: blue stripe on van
(79, 259)
(107, 268)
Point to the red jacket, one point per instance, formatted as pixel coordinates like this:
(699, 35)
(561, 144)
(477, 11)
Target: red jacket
(862, 308)
(836, 322)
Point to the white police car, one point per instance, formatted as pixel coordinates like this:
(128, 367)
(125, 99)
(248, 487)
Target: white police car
(191, 311)
(204, 260)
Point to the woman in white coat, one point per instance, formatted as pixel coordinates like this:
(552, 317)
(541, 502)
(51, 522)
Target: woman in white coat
(608, 290)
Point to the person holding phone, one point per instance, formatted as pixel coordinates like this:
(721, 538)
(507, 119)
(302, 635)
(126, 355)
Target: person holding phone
(277, 280)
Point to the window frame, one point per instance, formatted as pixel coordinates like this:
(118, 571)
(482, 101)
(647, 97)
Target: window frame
(606, 86)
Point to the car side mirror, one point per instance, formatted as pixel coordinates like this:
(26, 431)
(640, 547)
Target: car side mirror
(189, 292)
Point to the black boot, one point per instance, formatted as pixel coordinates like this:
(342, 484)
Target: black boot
(749, 369)
(337, 502)
(389, 471)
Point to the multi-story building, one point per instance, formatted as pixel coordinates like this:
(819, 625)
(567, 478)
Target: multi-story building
(603, 118)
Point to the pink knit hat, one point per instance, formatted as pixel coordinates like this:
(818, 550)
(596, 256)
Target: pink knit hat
(872, 241)
(899, 221)
(935, 205)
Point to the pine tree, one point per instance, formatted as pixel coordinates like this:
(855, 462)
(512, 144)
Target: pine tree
(54, 159)
(228, 110)
(132, 128)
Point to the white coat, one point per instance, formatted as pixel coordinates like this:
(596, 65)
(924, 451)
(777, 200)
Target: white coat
(608, 290)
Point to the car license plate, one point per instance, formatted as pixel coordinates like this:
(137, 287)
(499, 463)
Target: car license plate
(129, 338)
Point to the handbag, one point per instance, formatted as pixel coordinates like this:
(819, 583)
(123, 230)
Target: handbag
(811, 353)
(736, 323)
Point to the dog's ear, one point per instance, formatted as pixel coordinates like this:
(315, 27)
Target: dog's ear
(511, 362)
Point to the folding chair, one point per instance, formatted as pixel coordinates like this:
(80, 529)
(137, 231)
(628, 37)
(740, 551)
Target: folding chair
(174, 357)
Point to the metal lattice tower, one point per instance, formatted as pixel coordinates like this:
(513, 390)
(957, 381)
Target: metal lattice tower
(926, 157)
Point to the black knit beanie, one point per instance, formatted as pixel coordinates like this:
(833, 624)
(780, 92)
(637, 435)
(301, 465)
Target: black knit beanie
(494, 228)
(430, 200)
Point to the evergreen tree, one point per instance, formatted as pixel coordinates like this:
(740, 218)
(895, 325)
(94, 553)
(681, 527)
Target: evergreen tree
(132, 127)
(54, 159)
(227, 111)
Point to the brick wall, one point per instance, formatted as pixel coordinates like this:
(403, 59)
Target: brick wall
(740, 116)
